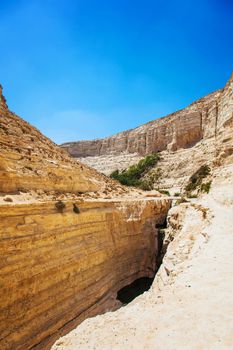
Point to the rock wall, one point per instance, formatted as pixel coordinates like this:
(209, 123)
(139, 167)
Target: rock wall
(200, 134)
(215, 149)
(58, 268)
(64, 253)
(224, 125)
(29, 160)
(190, 302)
(181, 129)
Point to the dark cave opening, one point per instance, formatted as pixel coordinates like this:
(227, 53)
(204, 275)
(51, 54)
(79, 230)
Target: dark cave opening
(143, 284)
(131, 291)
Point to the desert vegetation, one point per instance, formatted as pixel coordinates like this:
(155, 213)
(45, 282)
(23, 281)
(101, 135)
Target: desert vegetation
(195, 182)
(134, 175)
(60, 206)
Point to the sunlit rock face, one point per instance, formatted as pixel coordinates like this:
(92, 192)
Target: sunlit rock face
(181, 129)
(67, 246)
(198, 256)
(29, 160)
(60, 268)
(200, 134)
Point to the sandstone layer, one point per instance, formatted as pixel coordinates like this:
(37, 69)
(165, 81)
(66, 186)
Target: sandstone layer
(60, 268)
(70, 238)
(29, 160)
(181, 129)
(190, 304)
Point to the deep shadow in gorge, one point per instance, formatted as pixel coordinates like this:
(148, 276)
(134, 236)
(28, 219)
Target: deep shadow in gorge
(128, 293)
(131, 291)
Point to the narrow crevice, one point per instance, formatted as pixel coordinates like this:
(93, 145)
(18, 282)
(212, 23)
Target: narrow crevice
(128, 293)
(162, 246)
(131, 291)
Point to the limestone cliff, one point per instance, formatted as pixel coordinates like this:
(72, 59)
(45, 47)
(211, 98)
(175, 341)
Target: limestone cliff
(59, 268)
(64, 252)
(199, 134)
(181, 129)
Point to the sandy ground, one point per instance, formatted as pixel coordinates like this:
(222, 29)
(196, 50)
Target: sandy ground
(193, 311)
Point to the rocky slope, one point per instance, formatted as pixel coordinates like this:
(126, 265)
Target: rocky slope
(29, 160)
(106, 164)
(70, 238)
(201, 133)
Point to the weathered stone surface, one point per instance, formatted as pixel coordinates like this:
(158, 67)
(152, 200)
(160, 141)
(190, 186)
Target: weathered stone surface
(3, 105)
(190, 304)
(215, 149)
(57, 269)
(106, 164)
(178, 130)
(29, 160)
(200, 134)
(62, 262)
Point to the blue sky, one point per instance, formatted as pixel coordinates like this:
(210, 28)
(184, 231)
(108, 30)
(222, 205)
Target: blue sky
(90, 68)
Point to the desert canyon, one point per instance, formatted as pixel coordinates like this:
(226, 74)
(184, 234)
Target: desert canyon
(71, 237)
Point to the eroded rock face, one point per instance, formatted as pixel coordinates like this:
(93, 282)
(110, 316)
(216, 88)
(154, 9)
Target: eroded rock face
(29, 160)
(65, 248)
(3, 105)
(107, 163)
(190, 302)
(215, 149)
(179, 130)
(200, 134)
(60, 268)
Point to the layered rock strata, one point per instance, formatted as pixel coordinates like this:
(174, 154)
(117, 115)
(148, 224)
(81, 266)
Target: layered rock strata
(215, 149)
(178, 130)
(29, 160)
(200, 134)
(57, 269)
(190, 304)
(65, 250)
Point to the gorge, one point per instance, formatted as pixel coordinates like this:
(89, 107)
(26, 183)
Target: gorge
(198, 134)
(72, 240)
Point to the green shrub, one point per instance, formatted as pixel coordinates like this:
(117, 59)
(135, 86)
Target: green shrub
(176, 194)
(196, 179)
(76, 209)
(205, 188)
(132, 176)
(146, 185)
(155, 174)
(60, 206)
(164, 192)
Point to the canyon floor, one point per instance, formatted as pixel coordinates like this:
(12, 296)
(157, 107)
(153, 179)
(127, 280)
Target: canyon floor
(192, 307)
